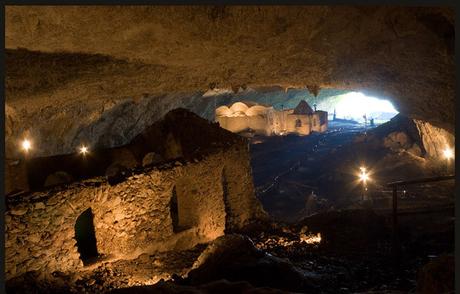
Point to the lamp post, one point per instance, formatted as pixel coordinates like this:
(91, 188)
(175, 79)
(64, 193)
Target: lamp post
(363, 178)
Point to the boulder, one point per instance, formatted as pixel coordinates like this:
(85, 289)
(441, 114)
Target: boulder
(415, 150)
(235, 258)
(18, 211)
(151, 158)
(124, 157)
(397, 141)
(116, 173)
(58, 178)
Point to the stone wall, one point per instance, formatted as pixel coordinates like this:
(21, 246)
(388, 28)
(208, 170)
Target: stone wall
(299, 124)
(276, 122)
(213, 194)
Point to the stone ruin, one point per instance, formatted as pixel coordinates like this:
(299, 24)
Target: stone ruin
(265, 120)
(201, 189)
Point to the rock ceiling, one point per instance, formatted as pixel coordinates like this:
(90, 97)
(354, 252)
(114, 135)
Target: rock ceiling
(75, 59)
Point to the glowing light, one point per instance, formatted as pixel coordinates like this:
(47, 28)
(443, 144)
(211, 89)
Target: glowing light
(26, 145)
(448, 153)
(363, 175)
(83, 150)
(354, 105)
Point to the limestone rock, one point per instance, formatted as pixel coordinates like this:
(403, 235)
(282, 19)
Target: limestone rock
(234, 258)
(123, 157)
(397, 141)
(434, 139)
(380, 58)
(58, 178)
(415, 150)
(34, 238)
(19, 211)
(116, 173)
(151, 158)
(39, 205)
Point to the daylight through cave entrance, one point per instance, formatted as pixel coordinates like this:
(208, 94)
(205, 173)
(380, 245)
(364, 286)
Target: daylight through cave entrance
(358, 107)
(86, 237)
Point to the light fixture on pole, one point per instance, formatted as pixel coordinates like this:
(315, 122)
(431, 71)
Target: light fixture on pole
(363, 178)
(83, 150)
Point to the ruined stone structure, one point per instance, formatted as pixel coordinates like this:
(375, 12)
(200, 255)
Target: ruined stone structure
(176, 204)
(265, 120)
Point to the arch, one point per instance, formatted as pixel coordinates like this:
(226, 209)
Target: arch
(298, 123)
(86, 237)
(183, 206)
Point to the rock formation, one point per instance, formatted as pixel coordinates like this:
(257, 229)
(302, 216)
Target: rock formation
(141, 61)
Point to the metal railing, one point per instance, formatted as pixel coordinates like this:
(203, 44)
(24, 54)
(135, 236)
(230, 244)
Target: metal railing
(396, 246)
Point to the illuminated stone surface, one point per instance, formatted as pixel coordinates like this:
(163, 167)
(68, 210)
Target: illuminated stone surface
(213, 192)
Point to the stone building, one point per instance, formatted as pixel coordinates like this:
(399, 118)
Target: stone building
(201, 189)
(265, 120)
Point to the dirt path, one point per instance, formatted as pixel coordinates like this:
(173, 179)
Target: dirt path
(285, 169)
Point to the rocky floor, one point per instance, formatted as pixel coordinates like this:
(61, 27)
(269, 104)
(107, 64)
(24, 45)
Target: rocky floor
(348, 251)
(287, 170)
(106, 275)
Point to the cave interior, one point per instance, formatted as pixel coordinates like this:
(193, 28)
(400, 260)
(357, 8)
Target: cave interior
(121, 177)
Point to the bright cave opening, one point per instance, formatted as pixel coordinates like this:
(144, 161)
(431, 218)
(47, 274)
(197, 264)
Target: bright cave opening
(358, 107)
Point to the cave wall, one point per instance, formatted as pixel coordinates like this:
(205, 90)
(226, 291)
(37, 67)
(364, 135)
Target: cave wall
(435, 140)
(133, 216)
(105, 123)
(75, 63)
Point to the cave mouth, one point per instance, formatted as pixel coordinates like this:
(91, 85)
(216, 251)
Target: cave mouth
(352, 106)
(358, 107)
(86, 237)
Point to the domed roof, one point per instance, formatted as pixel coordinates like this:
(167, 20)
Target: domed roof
(239, 106)
(256, 110)
(223, 111)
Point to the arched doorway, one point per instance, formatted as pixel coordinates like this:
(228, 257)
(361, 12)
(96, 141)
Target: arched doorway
(86, 237)
(298, 123)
